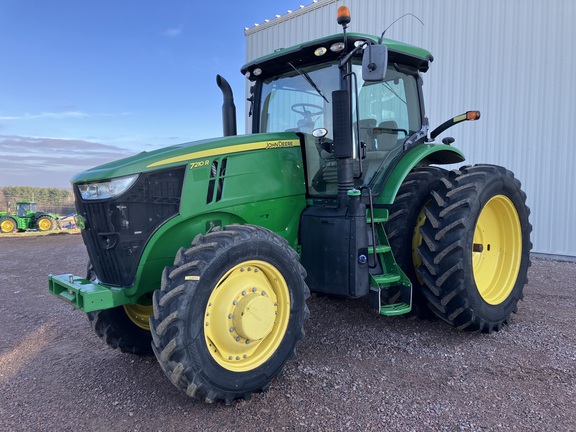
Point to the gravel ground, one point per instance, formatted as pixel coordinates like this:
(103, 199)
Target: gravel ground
(355, 370)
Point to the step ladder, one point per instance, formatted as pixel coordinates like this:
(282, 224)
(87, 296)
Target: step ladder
(386, 277)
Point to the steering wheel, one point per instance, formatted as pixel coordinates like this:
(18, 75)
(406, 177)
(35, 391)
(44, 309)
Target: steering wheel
(300, 108)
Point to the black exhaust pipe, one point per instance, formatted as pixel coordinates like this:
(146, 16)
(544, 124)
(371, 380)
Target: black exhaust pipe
(228, 107)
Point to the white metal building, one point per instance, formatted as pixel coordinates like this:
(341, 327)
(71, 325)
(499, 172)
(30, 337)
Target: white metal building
(513, 60)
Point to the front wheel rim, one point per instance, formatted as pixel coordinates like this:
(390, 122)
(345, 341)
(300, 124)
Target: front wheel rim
(247, 316)
(7, 226)
(139, 315)
(497, 249)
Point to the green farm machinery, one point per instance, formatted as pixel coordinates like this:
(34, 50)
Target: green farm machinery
(205, 253)
(27, 217)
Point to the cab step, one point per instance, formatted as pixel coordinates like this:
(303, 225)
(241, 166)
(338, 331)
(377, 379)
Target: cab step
(395, 309)
(386, 279)
(379, 249)
(369, 219)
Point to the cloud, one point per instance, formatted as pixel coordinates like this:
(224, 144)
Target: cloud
(50, 162)
(173, 32)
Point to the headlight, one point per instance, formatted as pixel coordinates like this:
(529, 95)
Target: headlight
(106, 188)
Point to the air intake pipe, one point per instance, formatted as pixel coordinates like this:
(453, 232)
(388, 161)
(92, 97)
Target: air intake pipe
(228, 107)
(341, 119)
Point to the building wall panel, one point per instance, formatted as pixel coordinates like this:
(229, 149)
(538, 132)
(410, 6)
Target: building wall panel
(511, 60)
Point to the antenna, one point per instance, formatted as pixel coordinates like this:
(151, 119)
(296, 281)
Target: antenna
(394, 22)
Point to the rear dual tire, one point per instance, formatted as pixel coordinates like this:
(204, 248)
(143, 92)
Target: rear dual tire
(403, 229)
(475, 248)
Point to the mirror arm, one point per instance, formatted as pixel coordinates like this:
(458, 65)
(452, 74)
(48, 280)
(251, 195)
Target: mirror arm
(351, 54)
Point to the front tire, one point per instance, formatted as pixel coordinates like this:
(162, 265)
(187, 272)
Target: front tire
(229, 313)
(126, 327)
(476, 248)
(8, 225)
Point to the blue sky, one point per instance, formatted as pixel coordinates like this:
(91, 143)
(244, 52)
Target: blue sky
(86, 82)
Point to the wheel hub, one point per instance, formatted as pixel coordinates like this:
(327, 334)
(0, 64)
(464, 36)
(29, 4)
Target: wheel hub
(254, 317)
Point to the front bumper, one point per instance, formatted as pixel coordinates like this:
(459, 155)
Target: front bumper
(85, 295)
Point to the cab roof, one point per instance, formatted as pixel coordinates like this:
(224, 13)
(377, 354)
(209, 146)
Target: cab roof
(398, 52)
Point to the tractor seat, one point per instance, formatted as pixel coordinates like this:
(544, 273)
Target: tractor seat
(387, 140)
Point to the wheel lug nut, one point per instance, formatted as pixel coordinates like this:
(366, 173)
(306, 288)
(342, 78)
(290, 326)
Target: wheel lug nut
(247, 341)
(237, 338)
(263, 293)
(245, 356)
(230, 358)
(230, 316)
(254, 289)
(231, 329)
(243, 293)
(237, 357)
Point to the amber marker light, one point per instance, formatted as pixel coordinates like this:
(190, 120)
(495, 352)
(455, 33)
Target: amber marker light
(472, 115)
(343, 15)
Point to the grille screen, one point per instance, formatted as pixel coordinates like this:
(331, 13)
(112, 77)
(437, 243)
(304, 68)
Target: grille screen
(118, 229)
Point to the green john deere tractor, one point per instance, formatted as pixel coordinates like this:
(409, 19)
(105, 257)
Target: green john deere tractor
(204, 253)
(26, 217)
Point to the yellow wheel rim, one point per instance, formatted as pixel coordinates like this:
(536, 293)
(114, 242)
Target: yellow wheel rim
(44, 225)
(497, 249)
(247, 316)
(7, 226)
(139, 314)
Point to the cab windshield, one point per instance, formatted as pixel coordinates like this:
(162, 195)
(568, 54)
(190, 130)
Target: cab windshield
(384, 114)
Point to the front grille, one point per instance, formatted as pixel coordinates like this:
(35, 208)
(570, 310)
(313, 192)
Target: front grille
(118, 229)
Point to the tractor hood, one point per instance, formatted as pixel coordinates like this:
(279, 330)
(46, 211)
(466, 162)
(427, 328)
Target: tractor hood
(181, 154)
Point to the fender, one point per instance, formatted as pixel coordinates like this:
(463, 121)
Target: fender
(424, 154)
(164, 244)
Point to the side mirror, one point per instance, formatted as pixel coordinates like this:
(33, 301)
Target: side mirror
(374, 62)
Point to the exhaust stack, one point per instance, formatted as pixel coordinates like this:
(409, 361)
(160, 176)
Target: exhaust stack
(228, 107)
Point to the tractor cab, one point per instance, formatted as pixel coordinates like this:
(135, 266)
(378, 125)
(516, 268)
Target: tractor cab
(293, 91)
(23, 208)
